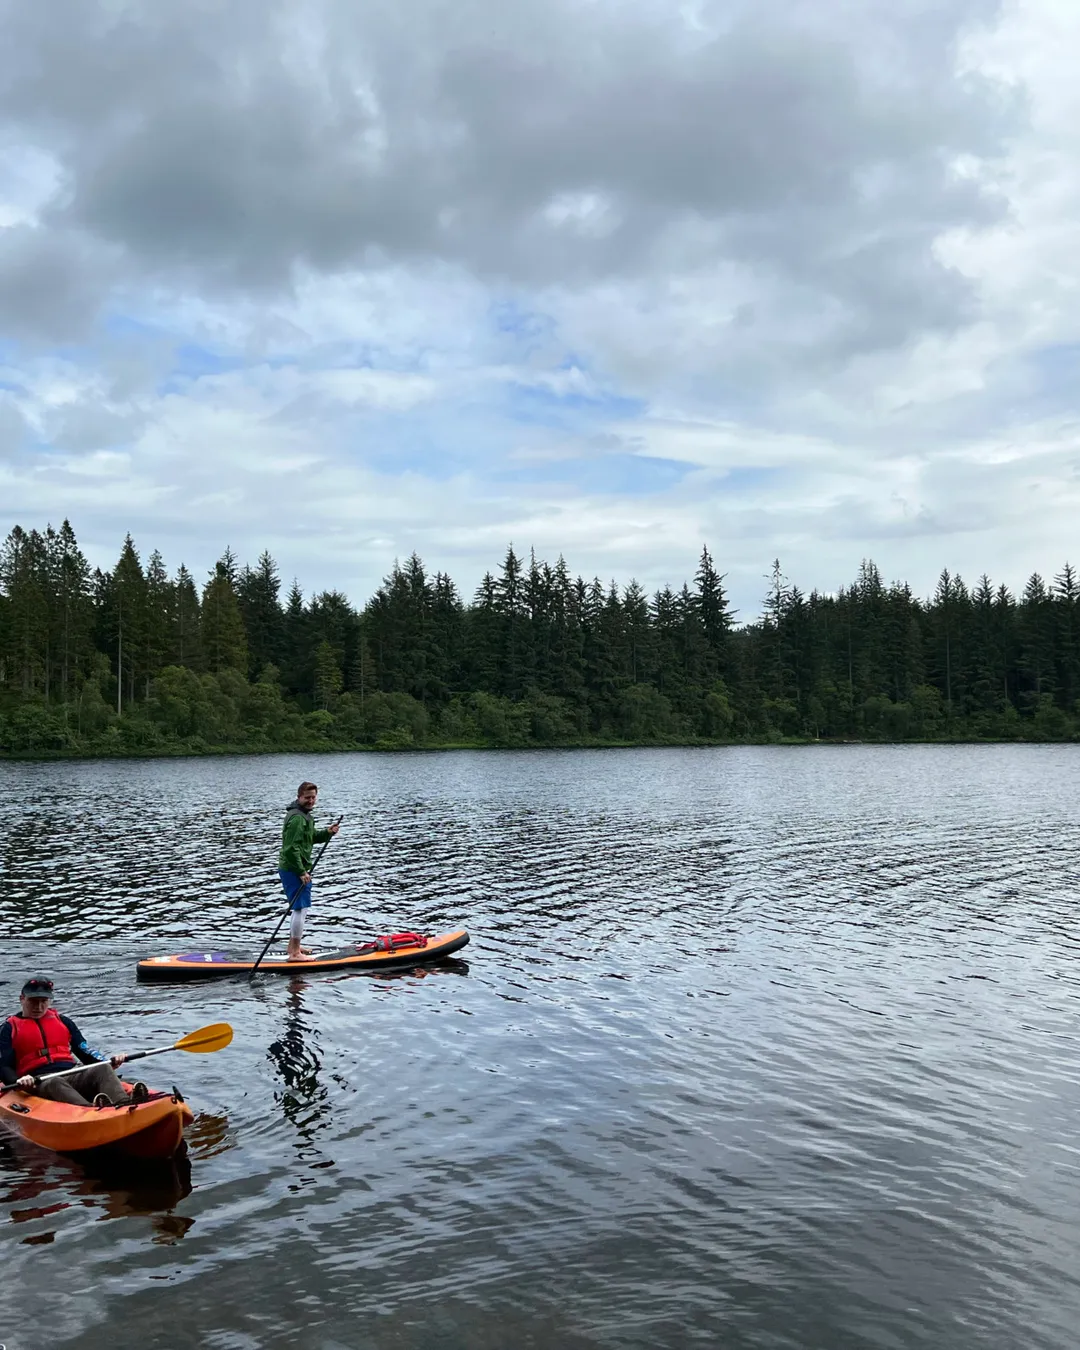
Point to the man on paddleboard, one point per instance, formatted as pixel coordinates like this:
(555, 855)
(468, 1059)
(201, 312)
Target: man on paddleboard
(38, 1042)
(298, 838)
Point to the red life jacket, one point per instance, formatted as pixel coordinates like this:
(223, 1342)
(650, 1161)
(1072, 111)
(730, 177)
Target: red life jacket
(38, 1041)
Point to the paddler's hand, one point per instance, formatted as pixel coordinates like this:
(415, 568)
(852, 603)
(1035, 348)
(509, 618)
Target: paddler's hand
(333, 829)
(305, 879)
(116, 1060)
(26, 1082)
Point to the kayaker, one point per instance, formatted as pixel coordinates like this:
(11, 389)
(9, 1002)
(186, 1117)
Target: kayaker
(38, 1042)
(298, 838)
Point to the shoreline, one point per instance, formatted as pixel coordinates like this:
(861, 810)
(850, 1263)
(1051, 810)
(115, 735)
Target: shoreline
(236, 752)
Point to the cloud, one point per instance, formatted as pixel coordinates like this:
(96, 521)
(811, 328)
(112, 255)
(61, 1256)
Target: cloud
(614, 280)
(13, 428)
(221, 146)
(52, 282)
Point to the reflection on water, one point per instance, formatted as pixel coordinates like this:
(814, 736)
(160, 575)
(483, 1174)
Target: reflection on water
(113, 1188)
(756, 1048)
(208, 1135)
(305, 1102)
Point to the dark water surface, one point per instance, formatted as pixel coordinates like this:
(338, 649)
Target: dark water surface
(752, 1048)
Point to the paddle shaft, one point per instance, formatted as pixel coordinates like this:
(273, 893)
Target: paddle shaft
(137, 1054)
(78, 1068)
(205, 1040)
(273, 935)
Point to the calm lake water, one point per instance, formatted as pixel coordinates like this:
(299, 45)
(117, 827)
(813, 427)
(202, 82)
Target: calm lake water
(755, 1047)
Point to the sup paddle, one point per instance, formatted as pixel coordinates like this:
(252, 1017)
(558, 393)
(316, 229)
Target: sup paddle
(273, 935)
(202, 1042)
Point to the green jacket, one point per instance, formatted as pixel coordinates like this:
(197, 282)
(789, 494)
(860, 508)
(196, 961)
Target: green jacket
(297, 840)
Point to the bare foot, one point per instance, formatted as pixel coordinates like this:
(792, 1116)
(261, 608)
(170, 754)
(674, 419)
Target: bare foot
(299, 956)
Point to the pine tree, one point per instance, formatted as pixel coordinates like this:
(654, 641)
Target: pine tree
(515, 665)
(946, 602)
(297, 674)
(639, 638)
(714, 615)
(328, 676)
(1005, 638)
(484, 628)
(223, 640)
(985, 667)
(75, 610)
(666, 622)
(126, 621)
(777, 600)
(1066, 604)
(160, 599)
(184, 647)
(1036, 640)
(26, 639)
(257, 590)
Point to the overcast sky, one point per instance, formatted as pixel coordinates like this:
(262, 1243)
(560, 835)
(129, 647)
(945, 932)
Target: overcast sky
(789, 278)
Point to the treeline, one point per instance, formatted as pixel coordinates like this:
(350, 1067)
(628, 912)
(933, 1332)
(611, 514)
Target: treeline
(140, 661)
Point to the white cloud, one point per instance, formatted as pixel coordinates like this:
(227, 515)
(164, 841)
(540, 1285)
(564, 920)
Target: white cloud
(814, 297)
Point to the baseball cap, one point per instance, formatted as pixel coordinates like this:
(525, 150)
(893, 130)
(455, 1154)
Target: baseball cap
(38, 985)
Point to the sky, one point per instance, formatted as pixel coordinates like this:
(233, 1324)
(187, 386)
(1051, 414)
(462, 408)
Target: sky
(790, 279)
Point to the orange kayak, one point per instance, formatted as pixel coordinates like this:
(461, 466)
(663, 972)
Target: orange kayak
(380, 954)
(153, 1129)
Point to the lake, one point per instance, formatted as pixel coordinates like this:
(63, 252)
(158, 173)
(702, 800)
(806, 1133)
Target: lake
(755, 1047)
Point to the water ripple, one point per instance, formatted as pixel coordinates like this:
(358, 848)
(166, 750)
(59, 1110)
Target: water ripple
(756, 1047)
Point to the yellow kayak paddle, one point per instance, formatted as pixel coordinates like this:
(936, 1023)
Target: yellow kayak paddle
(202, 1042)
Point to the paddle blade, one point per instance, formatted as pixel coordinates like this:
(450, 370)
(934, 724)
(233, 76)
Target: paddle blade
(207, 1039)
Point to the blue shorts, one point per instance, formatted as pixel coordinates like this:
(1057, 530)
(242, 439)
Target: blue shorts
(290, 884)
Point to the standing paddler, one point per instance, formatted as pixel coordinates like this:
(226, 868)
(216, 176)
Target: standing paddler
(298, 838)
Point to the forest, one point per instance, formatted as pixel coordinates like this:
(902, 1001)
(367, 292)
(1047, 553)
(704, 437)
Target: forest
(141, 661)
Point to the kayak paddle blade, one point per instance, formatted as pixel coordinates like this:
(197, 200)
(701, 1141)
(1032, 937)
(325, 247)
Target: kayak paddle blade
(207, 1039)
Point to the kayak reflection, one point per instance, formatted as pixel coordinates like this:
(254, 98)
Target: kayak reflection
(119, 1188)
(150, 1190)
(209, 1134)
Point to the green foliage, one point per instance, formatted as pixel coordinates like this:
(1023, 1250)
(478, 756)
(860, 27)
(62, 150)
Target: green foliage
(500, 721)
(319, 726)
(644, 714)
(177, 703)
(328, 678)
(717, 716)
(394, 718)
(927, 712)
(33, 728)
(262, 709)
(223, 639)
(551, 720)
(133, 661)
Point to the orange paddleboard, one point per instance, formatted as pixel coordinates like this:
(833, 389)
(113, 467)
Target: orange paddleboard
(206, 965)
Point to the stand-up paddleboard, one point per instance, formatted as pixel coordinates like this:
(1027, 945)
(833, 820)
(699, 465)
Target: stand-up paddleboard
(399, 949)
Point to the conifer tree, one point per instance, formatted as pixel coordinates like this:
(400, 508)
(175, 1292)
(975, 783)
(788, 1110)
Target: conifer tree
(328, 676)
(25, 638)
(295, 662)
(222, 636)
(714, 615)
(1036, 639)
(184, 647)
(257, 590)
(636, 621)
(1066, 604)
(75, 609)
(160, 599)
(126, 621)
